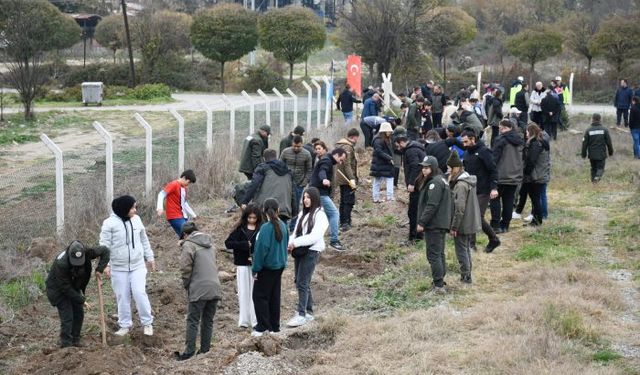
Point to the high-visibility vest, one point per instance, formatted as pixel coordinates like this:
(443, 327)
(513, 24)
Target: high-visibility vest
(512, 94)
(566, 95)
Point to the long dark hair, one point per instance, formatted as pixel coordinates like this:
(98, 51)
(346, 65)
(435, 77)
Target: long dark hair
(244, 218)
(314, 196)
(270, 208)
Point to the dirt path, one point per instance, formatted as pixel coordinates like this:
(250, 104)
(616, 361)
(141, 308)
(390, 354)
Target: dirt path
(629, 345)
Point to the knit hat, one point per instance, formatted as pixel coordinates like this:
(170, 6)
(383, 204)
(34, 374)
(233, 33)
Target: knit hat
(76, 252)
(266, 128)
(454, 160)
(122, 205)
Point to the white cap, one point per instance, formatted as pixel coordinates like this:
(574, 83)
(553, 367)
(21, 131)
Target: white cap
(558, 78)
(520, 78)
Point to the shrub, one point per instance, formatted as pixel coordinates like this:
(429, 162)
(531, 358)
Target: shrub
(262, 77)
(109, 74)
(151, 91)
(69, 94)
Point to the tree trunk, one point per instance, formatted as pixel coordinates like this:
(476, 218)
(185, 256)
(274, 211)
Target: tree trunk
(589, 65)
(306, 63)
(531, 73)
(114, 56)
(222, 76)
(444, 72)
(440, 63)
(290, 73)
(28, 115)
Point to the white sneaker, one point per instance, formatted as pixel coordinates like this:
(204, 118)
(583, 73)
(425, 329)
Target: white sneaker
(148, 330)
(516, 215)
(309, 317)
(297, 321)
(528, 218)
(122, 332)
(257, 333)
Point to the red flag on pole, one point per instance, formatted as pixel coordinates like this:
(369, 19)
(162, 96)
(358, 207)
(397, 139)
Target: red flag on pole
(354, 73)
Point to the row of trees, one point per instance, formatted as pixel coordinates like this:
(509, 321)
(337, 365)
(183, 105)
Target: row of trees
(395, 35)
(222, 33)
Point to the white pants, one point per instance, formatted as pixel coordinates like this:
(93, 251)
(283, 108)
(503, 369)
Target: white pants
(377, 181)
(244, 277)
(125, 284)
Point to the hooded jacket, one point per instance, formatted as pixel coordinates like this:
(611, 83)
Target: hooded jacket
(520, 101)
(596, 142)
(413, 155)
(494, 113)
(198, 268)
(68, 281)
(323, 170)
(350, 166)
(471, 121)
(466, 210)
(414, 118)
(434, 204)
(478, 161)
(314, 237)
(535, 99)
(507, 155)
(272, 179)
(300, 164)
(382, 160)
(252, 149)
(536, 161)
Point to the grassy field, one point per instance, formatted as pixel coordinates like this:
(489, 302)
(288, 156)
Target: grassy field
(562, 298)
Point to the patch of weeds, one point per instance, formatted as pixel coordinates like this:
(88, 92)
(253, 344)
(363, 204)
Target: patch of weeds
(623, 226)
(568, 323)
(21, 292)
(382, 222)
(394, 254)
(552, 254)
(606, 355)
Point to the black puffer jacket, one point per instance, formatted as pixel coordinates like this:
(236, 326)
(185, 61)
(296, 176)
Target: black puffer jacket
(478, 161)
(238, 241)
(440, 151)
(382, 160)
(413, 156)
(323, 170)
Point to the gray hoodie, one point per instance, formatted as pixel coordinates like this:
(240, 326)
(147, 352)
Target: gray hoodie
(199, 269)
(466, 210)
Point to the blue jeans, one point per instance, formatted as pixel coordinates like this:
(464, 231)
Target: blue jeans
(332, 214)
(177, 224)
(303, 271)
(543, 201)
(348, 117)
(635, 134)
(297, 190)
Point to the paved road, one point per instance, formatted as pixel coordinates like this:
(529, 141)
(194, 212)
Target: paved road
(191, 102)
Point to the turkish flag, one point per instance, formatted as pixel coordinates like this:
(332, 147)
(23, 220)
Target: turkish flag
(354, 73)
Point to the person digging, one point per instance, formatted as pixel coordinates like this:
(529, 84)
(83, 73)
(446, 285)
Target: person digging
(66, 285)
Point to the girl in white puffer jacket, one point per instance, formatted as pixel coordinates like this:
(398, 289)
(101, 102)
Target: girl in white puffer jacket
(124, 234)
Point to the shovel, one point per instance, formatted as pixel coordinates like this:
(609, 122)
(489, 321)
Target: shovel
(103, 325)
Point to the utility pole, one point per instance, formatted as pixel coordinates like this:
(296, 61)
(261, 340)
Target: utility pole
(128, 34)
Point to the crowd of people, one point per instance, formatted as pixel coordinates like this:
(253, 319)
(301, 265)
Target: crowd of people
(460, 156)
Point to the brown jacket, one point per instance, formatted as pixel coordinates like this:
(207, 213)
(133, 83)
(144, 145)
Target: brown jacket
(350, 166)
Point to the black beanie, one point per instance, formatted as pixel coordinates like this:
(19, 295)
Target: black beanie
(122, 205)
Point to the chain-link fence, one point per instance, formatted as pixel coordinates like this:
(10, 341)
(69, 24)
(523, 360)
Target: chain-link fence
(28, 192)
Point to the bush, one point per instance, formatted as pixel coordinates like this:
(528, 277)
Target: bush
(109, 74)
(69, 94)
(262, 77)
(151, 91)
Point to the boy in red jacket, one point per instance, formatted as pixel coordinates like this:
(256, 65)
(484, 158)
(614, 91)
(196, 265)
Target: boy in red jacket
(174, 195)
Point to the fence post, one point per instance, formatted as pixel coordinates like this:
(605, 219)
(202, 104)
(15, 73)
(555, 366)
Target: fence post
(571, 89)
(252, 113)
(275, 90)
(327, 111)
(267, 105)
(387, 86)
(232, 121)
(479, 84)
(59, 183)
(295, 106)
(180, 120)
(108, 161)
(209, 125)
(319, 111)
(309, 100)
(148, 160)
